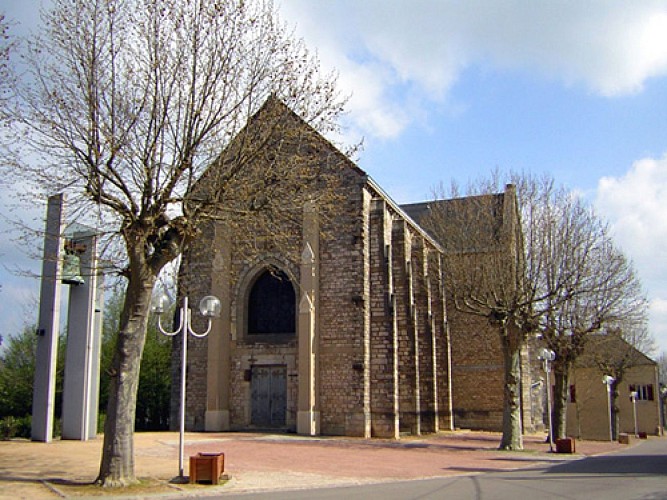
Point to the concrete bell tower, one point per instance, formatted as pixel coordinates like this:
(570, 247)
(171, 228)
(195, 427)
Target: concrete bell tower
(78, 247)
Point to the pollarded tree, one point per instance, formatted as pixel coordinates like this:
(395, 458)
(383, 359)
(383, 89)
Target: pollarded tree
(662, 368)
(153, 391)
(125, 103)
(485, 276)
(603, 294)
(507, 261)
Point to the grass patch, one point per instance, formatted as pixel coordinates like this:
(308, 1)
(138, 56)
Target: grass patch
(89, 489)
(143, 487)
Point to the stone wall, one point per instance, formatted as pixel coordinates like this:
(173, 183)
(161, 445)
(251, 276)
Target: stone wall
(195, 283)
(384, 353)
(477, 372)
(410, 349)
(343, 326)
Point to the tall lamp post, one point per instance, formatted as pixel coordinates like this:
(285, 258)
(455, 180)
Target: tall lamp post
(209, 307)
(633, 398)
(608, 380)
(547, 356)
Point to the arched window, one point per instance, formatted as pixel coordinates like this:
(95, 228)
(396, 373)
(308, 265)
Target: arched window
(272, 305)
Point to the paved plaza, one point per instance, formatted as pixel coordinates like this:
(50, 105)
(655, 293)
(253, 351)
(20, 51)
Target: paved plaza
(268, 462)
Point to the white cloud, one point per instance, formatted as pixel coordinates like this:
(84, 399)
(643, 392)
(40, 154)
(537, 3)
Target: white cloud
(635, 206)
(658, 323)
(402, 55)
(635, 203)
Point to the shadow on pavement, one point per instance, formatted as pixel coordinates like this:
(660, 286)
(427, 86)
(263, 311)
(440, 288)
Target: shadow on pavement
(617, 464)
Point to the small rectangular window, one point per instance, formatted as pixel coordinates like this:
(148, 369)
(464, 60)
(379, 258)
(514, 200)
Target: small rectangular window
(644, 392)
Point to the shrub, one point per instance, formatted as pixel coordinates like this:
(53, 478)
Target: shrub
(15, 427)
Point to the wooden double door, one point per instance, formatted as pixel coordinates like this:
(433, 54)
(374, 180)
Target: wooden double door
(268, 388)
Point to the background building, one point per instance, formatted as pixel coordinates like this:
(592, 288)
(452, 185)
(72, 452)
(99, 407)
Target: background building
(588, 407)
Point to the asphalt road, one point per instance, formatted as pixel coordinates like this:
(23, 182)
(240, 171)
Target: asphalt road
(637, 473)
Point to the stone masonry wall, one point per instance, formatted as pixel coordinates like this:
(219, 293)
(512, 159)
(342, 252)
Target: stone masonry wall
(195, 283)
(384, 351)
(342, 317)
(477, 372)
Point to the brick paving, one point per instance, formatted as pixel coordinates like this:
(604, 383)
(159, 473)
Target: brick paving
(270, 461)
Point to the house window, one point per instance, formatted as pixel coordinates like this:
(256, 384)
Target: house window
(573, 394)
(644, 392)
(272, 305)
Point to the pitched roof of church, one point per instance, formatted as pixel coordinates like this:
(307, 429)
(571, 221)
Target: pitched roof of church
(457, 206)
(480, 214)
(274, 105)
(277, 106)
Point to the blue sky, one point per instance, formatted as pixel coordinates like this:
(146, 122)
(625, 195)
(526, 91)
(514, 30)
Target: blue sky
(514, 121)
(446, 90)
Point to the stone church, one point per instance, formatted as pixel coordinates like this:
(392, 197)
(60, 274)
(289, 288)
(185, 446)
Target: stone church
(342, 327)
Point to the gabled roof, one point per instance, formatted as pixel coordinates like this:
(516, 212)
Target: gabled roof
(263, 135)
(459, 208)
(469, 223)
(613, 347)
(274, 107)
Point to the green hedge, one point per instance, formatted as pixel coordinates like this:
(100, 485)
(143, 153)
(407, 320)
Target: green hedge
(15, 427)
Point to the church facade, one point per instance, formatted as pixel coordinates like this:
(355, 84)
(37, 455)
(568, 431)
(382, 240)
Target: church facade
(343, 328)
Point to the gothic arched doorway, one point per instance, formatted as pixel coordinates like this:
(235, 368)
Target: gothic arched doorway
(271, 321)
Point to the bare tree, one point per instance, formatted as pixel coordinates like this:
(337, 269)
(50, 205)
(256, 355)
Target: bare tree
(662, 368)
(544, 274)
(662, 379)
(126, 103)
(5, 46)
(604, 291)
(4, 57)
(487, 275)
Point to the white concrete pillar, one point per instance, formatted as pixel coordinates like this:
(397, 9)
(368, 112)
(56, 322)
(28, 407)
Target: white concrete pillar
(44, 385)
(83, 348)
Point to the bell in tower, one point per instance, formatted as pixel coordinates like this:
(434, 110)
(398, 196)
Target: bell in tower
(72, 264)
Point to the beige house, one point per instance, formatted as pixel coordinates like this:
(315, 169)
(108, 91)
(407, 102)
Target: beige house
(343, 327)
(588, 405)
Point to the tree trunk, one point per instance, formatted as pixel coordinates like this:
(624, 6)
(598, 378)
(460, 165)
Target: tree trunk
(615, 414)
(512, 438)
(561, 381)
(117, 465)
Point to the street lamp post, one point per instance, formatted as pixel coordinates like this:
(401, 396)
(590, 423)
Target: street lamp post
(608, 380)
(209, 307)
(547, 356)
(633, 398)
